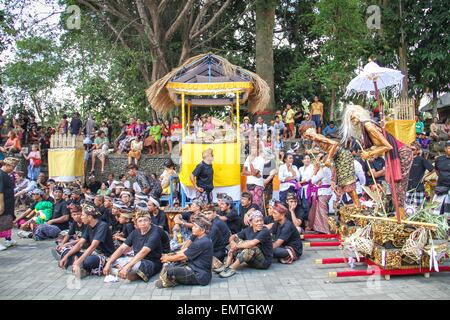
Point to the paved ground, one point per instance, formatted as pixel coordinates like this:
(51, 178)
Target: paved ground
(29, 271)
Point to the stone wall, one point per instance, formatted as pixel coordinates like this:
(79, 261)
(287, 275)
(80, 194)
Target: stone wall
(117, 163)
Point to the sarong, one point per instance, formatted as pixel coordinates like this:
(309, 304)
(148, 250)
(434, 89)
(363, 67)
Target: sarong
(318, 215)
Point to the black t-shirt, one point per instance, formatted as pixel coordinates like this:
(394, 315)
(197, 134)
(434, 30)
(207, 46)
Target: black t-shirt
(268, 220)
(377, 165)
(219, 235)
(115, 225)
(126, 229)
(160, 220)
(7, 188)
(165, 239)
(265, 242)
(204, 174)
(442, 166)
(101, 233)
(233, 220)
(75, 126)
(151, 240)
(60, 209)
(418, 168)
(243, 211)
(289, 234)
(298, 213)
(298, 117)
(106, 215)
(77, 230)
(200, 255)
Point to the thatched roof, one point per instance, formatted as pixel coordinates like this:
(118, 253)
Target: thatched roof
(198, 74)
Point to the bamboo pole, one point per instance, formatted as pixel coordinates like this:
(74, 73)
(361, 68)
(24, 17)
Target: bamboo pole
(183, 116)
(413, 223)
(238, 126)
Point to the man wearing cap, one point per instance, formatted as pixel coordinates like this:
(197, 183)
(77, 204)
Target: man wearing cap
(253, 245)
(287, 245)
(141, 208)
(295, 213)
(75, 232)
(98, 239)
(125, 196)
(158, 216)
(145, 184)
(75, 197)
(229, 215)
(245, 206)
(441, 197)
(198, 256)
(39, 213)
(59, 220)
(146, 244)
(7, 202)
(99, 203)
(117, 207)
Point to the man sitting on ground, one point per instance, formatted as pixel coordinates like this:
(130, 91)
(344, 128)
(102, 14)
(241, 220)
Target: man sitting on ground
(146, 244)
(253, 245)
(98, 239)
(59, 220)
(287, 246)
(198, 256)
(229, 215)
(39, 213)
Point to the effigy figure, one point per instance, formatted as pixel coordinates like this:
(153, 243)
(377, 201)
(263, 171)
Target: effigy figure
(343, 163)
(357, 124)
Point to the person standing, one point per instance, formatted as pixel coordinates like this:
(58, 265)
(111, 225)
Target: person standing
(317, 113)
(318, 214)
(289, 120)
(416, 189)
(253, 170)
(202, 177)
(289, 176)
(420, 127)
(75, 124)
(7, 202)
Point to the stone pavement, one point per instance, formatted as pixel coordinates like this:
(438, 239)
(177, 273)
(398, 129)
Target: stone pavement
(28, 271)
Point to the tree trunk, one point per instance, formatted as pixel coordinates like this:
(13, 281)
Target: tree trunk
(333, 104)
(265, 21)
(403, 55)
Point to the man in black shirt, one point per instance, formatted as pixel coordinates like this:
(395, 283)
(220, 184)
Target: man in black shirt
(157, 215)
(442, 166)
(59, 220)
(202, 177)
(198, 256)
(219, 235)
(295, 213)
(416, 190)
(287, 245)
(98, 239)
(146, 244)
(229, 215)
(244, 207)
(253, 245)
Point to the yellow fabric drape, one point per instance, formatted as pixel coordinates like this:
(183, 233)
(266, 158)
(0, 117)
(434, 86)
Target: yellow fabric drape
(66, 162)
(226, 165)
(403, 130)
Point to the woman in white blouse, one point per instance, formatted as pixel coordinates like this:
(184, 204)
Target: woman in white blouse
(289, 177)
(318, 214)
(306, 173)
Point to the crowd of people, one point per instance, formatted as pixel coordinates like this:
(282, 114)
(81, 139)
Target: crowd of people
(118, 228)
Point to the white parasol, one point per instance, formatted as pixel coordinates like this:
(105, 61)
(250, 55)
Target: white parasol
(374, 78)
